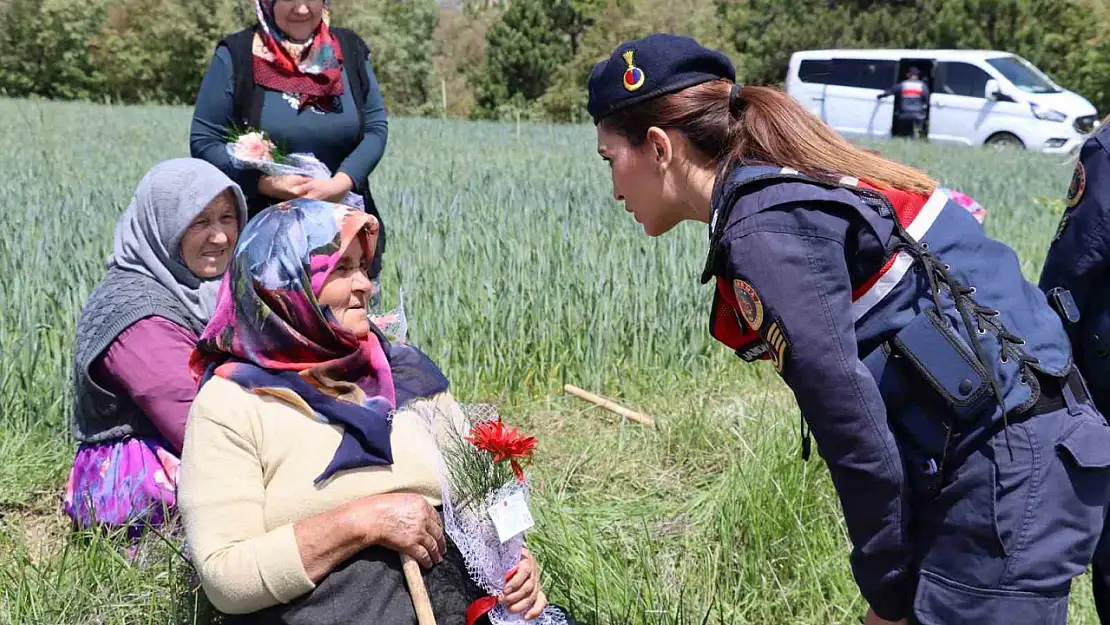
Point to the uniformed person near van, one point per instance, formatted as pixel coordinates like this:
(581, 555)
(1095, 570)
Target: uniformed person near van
(1077, 282)
(972, 469)
(911, 104)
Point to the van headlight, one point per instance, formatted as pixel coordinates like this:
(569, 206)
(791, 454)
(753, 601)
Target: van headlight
(1047, 114)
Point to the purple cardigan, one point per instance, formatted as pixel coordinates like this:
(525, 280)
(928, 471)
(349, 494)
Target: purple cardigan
(149, 362)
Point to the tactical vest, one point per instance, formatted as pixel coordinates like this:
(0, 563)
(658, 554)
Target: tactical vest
(912, 98)
(913, 89)
(947, 320)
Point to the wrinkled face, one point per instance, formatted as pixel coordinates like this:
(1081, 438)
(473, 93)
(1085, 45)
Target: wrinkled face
(639, 181)
(298, 19)
(347, 289)
(209, 241)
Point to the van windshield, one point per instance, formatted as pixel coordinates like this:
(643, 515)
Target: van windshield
(1023, 74)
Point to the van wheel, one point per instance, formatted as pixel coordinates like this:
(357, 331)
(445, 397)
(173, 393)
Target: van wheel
(1005, 141)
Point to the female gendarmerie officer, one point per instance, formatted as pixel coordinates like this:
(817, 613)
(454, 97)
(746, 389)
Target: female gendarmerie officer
(1076, 279)
(971, 467)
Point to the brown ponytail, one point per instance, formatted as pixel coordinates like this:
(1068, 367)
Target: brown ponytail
(771, 128)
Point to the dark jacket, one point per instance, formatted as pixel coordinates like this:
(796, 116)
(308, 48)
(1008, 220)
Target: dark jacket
(1078, 260)
(850, 293)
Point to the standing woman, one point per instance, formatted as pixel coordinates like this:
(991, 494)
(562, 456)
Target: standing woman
(1076, 279)
(310, 88)
(971, 467)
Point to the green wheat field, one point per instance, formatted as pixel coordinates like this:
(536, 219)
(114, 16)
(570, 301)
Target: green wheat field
(520, 274)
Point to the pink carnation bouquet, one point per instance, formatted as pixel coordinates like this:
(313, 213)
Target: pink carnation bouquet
(255, 146)
(254, 149)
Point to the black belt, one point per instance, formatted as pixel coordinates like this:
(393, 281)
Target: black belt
(1052, 391)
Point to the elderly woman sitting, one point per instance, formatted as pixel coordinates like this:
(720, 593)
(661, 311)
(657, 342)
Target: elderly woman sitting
(299, 490)
(132, 385)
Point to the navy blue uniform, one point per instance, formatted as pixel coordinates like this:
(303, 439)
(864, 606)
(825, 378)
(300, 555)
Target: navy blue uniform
(971, 466)
(1077, 262)
(910, 340)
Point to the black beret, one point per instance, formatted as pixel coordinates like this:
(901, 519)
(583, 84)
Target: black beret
(658, 64)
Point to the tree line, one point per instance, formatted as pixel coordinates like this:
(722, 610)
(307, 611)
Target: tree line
(524, 59)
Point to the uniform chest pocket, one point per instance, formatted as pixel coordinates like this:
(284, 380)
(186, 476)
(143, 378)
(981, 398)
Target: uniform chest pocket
(940, 357)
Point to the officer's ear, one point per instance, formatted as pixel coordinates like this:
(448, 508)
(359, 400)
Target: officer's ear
(659, 146)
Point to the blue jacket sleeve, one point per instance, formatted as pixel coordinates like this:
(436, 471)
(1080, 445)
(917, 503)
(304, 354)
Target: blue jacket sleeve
(792, 265)
(1080, 249)
(212, 118)
(360, 163)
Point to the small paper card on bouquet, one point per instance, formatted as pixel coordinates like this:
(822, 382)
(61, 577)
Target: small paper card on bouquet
(511, 516)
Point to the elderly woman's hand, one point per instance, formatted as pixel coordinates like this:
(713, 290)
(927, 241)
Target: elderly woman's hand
(522, 590)
(405, 523)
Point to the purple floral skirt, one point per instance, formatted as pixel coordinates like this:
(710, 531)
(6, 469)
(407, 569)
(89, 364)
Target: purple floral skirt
(128, 483)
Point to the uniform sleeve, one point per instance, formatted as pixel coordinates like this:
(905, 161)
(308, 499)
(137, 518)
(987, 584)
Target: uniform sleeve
(150, 362)
(1079, 251)
(361, 162)
(243, 567)
(799, 294)
(212, 118)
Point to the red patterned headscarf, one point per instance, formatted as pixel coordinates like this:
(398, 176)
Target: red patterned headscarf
(310, 71)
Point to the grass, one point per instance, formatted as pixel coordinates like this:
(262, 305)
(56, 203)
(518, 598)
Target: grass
(520, 274)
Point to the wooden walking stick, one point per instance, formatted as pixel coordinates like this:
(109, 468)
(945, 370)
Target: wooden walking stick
(420, 601)
(609, 405)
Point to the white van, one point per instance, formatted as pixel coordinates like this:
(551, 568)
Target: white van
(978, 97)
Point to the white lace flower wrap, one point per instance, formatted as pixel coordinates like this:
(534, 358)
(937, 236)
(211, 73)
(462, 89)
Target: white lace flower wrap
(393, 324)
(296, 164)
(470, 527)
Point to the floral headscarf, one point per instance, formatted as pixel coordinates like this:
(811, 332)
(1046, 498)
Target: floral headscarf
(270, 335)
(310, 71)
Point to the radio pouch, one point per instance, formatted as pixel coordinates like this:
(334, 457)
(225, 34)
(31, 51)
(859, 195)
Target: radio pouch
(944, 360)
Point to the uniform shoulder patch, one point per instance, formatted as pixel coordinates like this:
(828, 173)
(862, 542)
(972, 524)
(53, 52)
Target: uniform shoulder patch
(777, 344)
(751, 308)
(1078, 185)
(1076, 190)
(753, 352)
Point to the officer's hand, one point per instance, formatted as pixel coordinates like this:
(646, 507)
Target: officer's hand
(873, 619)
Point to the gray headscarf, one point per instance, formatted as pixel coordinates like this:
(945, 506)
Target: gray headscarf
(148, 234)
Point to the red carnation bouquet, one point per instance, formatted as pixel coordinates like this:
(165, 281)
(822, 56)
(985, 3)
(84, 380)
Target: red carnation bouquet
(503, 444)
(485, 502)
